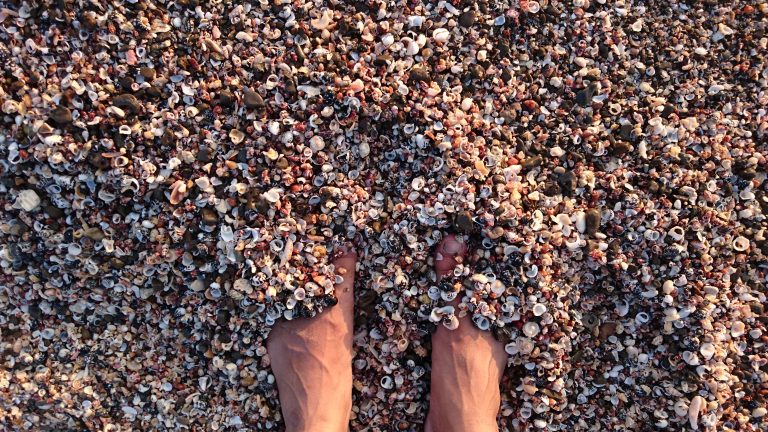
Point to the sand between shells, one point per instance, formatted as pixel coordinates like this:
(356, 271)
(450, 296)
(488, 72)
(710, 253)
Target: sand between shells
(177, 176)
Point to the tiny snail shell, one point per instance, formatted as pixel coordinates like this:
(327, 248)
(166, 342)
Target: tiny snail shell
(276, 245)
(299, 294)
(451, 322)
(387, 382)
(740, 244)
(482, 322)
(642, 318)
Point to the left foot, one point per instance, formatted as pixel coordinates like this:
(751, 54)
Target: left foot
(312, 362)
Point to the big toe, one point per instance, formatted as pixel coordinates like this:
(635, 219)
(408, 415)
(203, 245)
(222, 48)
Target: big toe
(448, 254)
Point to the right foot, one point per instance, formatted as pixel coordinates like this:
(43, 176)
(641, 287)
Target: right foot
(312, 362)
(467, 366)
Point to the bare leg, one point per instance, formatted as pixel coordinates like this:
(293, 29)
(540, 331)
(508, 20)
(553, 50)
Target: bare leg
(467, 366)
(312, 362)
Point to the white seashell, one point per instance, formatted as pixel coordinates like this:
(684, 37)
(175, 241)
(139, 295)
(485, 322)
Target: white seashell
(236, 136)
(466, 104)
(387, 40)
(622, 307)
(759, 412)
(316, 143)
(105, 196)
(27, 200)
(691, 358)
(274, 127)
(525, 345)
(226, 233)
(272, 195)
(323, 22)
(697, 403)
(533, 7)
(707, 350)
(244, 36)
(539, 309)
(441, 35)
(531, 329)
(737, 329)
(642, 318)
(532, 271)
(363, 149)
(411, 47)
(415, 21)
(740, 243)
(581, 221)
(299, 294)
(74, 249)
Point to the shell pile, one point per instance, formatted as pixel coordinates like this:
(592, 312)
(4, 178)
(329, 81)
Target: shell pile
(175, 176)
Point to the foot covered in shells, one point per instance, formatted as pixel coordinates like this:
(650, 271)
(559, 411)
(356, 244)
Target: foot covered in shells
(467, 366)
(314, 374)
(312, 361)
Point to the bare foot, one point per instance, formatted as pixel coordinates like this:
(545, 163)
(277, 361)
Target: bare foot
(467, 365)
(312, 362)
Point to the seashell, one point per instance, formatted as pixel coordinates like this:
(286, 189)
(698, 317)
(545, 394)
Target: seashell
(677, 233)
(299, 294)
(482, 322)
(642, 318)
(539, 309)
(236, 136)
(533, 7)
(226, 233)
(316, 143)
(272, 195)
(74, 249)
(387, 382)
(323, 21)
(441, 35)
(448, 295)
(244, 36)
(276, 245)
(532, 271)
(691, 358)
(27, 200)
(451, 322)
(737, 329)
(106, 196)
(740, 244)
(694, 409)
(124, 130)
(433, 293)
(178, 192)
(531, 329)
(707, 350)
(759, 412)
(581, 221)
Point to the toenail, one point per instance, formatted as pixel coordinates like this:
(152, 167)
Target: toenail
(452, 247)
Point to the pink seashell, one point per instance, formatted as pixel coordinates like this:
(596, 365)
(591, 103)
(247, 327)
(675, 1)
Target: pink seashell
(130, 57)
